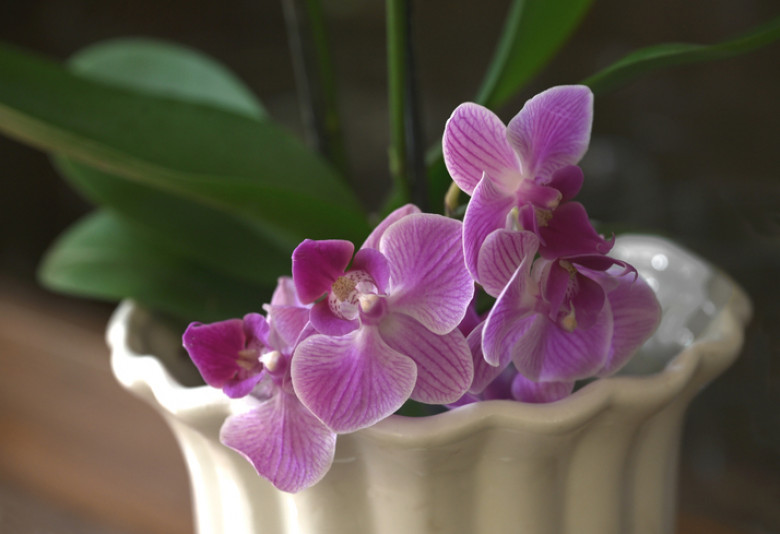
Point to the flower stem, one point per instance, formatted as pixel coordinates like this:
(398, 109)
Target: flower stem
(407, 159)
(315, 79)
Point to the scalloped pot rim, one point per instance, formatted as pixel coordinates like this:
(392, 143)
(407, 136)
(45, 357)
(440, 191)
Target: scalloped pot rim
(710, 353)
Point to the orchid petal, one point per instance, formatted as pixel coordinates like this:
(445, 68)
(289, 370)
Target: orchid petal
(501, 387)
(326, 322)
(428, 279)
(285, 442)
(569, 233)
(444, 366)
(375, 264)
(546, 352)
(525, 390)
(588, 302)
(372, 241)
(214, 349)
(467, 398)
(568, 180)
(242, 385)
(501, 255)
(352, 381)
(555, 282)
(487, 211)
(552, 130)
(287, 323)
(635, 315)
(256, 329)
(541, 196)
(511, 315)
(475, 143)
(599, 262)
(317, 264)
(285, 294)
(484, 373)
(472, 318)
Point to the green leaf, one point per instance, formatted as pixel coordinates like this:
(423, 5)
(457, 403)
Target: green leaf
(246, 168)
(439, 179)
(106, 257)
(534, 30)
(214, 238)
(656, 57)
(166, 69)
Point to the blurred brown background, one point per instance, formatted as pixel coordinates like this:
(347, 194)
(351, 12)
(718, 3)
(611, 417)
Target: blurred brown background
(690, 153)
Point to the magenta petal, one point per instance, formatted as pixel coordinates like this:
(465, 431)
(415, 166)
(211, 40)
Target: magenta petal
(376, 235)
(352, 381)
(547, 352)
(635, 315)
(541, 196)
(487, 211)
(214, 349)
(472, 318)
(326, 322)
(285, 294)
(568, 180)
(256, 329)
(475, 143)
(501, 255)
(555, 284)
(588, 302)
(511, 315)
(317, 264)
(428, 279)
(552, 130)
(484, 373)
(375, 264)
(570, 233)
(525, 390)
(284, 442)
(444, 366)
(287, 323)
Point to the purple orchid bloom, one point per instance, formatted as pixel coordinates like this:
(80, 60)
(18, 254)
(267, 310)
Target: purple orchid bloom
(523, 177)
(229, 354)
(387, 320)
(564, 319)
(250, 358)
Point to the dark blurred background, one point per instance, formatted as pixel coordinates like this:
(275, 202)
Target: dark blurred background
(690, 153)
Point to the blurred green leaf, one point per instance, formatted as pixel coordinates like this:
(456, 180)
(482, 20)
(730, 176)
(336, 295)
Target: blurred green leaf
(244, 167)
(212, 237)
(439, 179)
(534, 30)
(656, 57)
(104, 256)
(166, 69)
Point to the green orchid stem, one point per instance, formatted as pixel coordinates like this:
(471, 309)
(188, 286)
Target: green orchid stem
(407, 158)
(316, 80)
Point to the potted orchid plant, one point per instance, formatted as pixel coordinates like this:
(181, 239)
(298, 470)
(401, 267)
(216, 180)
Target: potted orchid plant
(485, 280)
(352, 336)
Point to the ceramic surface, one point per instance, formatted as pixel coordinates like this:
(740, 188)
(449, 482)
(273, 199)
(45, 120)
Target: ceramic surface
(603, 461)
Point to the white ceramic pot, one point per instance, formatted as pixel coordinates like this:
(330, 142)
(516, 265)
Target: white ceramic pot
(603, 461)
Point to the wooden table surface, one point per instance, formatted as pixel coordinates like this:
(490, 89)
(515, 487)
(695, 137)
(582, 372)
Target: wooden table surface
(78, 454)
